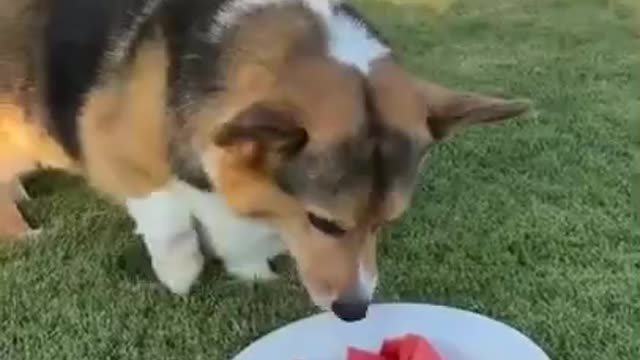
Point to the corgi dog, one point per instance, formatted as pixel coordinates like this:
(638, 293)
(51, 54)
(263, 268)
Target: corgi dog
(276, 126)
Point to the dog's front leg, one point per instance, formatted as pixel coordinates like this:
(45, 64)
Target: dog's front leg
(163, 218)
(243, 244)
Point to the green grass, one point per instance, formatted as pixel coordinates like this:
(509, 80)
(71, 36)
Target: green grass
(530, 223)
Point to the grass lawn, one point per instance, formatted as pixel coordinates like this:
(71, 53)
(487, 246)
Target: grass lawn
(530, 223)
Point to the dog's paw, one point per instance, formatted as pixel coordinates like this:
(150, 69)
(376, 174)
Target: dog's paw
(260, 271)
(179, 274)
(179, 269)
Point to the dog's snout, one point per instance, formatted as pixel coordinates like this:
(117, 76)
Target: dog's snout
(353, 303)
(350, 311)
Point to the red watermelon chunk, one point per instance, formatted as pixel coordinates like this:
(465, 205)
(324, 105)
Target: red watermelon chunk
(408, 347)
(418, 348)
(391, 349)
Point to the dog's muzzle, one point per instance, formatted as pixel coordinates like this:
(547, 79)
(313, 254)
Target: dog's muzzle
(352, 305)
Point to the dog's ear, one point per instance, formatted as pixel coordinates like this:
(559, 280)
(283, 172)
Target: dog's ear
(263, 132)
(449, 110)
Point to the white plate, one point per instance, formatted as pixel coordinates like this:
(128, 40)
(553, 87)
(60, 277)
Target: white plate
(456, 334)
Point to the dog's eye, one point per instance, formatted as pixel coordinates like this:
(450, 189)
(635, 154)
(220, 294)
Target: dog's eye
(326, 226)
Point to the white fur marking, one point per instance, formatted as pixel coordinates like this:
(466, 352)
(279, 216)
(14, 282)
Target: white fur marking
(164, 221)
(367, 283)
(243, 244)
(351, 44)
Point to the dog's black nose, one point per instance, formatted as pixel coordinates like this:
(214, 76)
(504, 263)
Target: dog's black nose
(350, 311)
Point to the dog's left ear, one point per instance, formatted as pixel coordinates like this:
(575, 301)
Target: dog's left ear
(449, 110)
(267, 132)
(248, 148)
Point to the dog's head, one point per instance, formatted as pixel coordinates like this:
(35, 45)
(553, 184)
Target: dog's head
(330, 154)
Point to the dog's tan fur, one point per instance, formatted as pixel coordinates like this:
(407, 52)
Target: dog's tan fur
(128, 108)
(23, 141)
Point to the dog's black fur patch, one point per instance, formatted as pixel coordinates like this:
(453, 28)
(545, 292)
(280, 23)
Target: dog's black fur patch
(77, 37)
(75, 40)
(194, 56)
(193, 62)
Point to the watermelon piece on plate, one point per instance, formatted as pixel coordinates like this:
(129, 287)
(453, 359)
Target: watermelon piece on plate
(408, 347)
(391, 349)
(418, 348)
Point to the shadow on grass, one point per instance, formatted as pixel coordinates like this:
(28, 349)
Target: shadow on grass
(48, 181)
